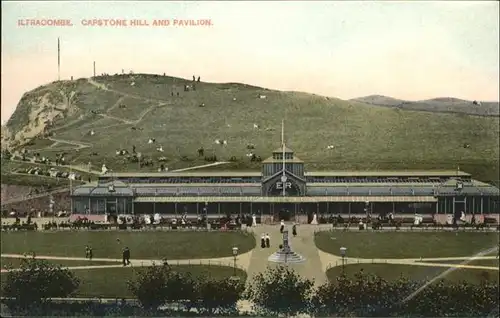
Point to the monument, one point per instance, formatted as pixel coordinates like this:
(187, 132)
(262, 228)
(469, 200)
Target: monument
(285, 254)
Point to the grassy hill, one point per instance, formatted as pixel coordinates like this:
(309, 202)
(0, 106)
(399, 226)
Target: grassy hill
(442, 104)
(126, 110)
(379, 100)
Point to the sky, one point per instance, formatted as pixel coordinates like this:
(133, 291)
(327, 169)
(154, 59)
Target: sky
(407, 50)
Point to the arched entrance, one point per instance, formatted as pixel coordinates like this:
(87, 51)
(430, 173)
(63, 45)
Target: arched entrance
(285, 212)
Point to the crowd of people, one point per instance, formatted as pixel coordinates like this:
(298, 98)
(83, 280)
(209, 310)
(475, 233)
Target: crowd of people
(20, 225)
(129, 222)
(49, 172)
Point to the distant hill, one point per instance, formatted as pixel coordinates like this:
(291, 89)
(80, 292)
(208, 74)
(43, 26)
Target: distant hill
(126, 110)
(441, 104)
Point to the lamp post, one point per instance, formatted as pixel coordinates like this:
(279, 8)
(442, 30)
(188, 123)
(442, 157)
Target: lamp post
(367, 209)
(342, 253)
(235, 254)
(205, 212)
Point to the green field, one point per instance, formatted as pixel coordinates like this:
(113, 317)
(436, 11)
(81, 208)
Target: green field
(390, 140)
(143, 245)
(421, 273)
(112, 282)
(16, 262)
(405, 244)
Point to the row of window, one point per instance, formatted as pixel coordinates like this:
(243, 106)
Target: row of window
(183, 180)
(373, 180)
(470, 205)
(259, 179)
(101, 206)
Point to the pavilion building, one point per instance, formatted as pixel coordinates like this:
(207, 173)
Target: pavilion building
(284, 186)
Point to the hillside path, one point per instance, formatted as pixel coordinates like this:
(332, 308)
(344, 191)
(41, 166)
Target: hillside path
(115, 104)
(202, 166)
(105, 88)
(81, 145)
(78, 144)
(123, 120)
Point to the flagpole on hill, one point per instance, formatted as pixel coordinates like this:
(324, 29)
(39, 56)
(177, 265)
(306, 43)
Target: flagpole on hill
(58, 60)
(283, 178)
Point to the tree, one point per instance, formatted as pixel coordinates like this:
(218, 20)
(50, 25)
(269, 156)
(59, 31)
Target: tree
(368, 295)
(37, 280)
(280, 291)
(150, 286)
(220, 295)
(158, 285)
(181, 288)
(364, 295)
(454, 299)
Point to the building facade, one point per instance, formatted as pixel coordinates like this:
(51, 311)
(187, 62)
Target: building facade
(284, 185)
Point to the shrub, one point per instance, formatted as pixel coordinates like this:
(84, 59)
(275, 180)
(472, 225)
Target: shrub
(220, 296)
(37, 280)
(280, 291)
(150, 287)
(159, 285)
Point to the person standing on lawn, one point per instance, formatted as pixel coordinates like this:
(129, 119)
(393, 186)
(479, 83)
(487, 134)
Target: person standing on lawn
(126, 256)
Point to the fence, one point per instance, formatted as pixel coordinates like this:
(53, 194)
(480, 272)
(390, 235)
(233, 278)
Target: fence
(407, 229)
(203, 262)
(347, 261)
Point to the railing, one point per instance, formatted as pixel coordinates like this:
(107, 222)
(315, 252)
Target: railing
(96, 226)
(190, 262)
(347, 261)
(408, 228)
(174, 180)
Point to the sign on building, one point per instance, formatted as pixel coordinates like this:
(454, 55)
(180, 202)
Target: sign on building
(279, 185)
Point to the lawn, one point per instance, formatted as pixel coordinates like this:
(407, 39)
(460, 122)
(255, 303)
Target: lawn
(112, 282)
(421, 273)
(405, 244)
(143, 245)
(16, 262)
